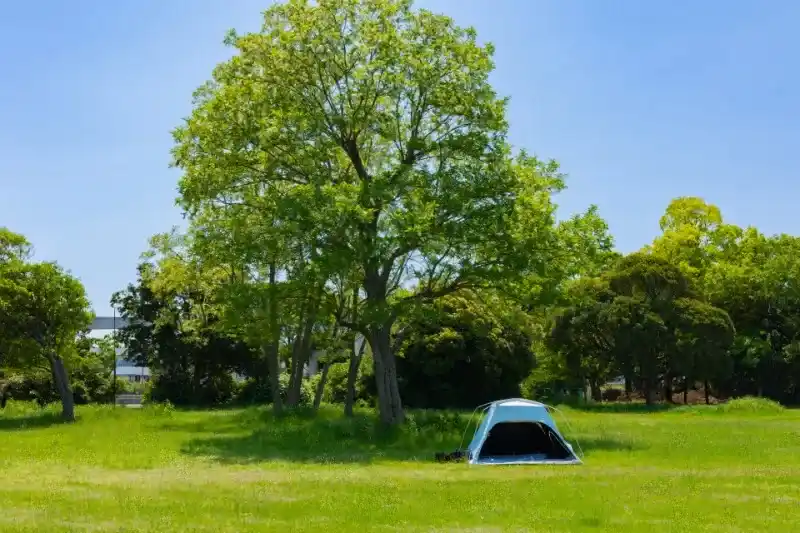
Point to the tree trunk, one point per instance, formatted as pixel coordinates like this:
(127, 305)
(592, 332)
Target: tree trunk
(597, 393)
(352, 375)
(61, 380)
(270, 353)
(705, 390)
(323, 378)
(649, 392)
(390, 405)
(628, 387)
(301, 352)
(195, 396)
(295, 372)
(685, 390)
(272, 349)
(668, 389)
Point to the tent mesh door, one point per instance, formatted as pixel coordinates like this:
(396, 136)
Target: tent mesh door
(514, 439)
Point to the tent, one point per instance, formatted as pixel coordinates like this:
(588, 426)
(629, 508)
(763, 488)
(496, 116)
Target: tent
(518, 431)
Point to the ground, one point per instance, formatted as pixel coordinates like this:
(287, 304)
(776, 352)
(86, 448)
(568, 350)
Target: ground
(157, 470)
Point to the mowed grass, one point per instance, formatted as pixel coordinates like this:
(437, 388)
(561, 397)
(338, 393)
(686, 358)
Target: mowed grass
(724, 469)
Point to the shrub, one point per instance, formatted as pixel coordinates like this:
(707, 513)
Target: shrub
(258, 391)
(180, 389)
(336, 386)
(540, 385)
(32, 387)
(750, 404)
(460, 351)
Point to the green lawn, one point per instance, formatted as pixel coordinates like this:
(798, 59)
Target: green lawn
(157, 470)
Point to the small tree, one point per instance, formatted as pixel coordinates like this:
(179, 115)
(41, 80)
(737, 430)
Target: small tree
(42, 309)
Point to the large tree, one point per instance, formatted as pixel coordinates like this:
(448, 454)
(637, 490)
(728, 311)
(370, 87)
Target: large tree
(376, 127)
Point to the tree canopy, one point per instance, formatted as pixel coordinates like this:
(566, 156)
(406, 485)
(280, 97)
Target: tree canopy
(42, 310)
(365, 137)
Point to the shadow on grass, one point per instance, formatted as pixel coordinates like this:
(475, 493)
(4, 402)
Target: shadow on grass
(330, 438)
(623, 407)
(602, 444)
(21, 423)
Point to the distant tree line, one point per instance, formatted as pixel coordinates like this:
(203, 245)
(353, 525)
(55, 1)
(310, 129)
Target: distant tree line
(707, 303)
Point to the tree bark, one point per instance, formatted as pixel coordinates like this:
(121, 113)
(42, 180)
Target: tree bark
(597, 393)
(649, 392)
(272, 349)
(705, 390)
(390, 405)
(356, 355)
(668, 389)
(323, 378)
(295, 371)
(4, 395)
(301, 352)
(61, 380)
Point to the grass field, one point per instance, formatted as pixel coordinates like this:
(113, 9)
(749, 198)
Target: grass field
(725, 469)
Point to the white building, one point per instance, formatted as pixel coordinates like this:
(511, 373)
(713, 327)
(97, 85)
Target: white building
(126, 370)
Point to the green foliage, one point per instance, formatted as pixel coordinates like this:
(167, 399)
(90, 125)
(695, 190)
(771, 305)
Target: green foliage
(15, 250)
(641, 319)
(460, 352)
(172, 330)
(90, 370)
(181, 390)
(41, 303)
(42, 310)
(32, 387)
(707, 302)
(363, 140)
(550, 381)
(748, 404)
(336, 387)
(259, 392)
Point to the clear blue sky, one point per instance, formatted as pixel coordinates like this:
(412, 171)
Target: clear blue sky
(640, 101)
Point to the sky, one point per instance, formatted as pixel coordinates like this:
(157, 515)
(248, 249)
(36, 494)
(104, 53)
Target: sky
(640, 102)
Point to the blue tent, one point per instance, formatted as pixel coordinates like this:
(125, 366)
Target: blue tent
(518, 431)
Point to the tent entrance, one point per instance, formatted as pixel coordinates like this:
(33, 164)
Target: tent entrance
(526, 441)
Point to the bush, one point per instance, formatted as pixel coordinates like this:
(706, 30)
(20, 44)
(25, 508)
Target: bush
(461, 351)
(539, 385)
(750, 404)
(180, 389)
(336, 386)
(32, 387)
(259, 392)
